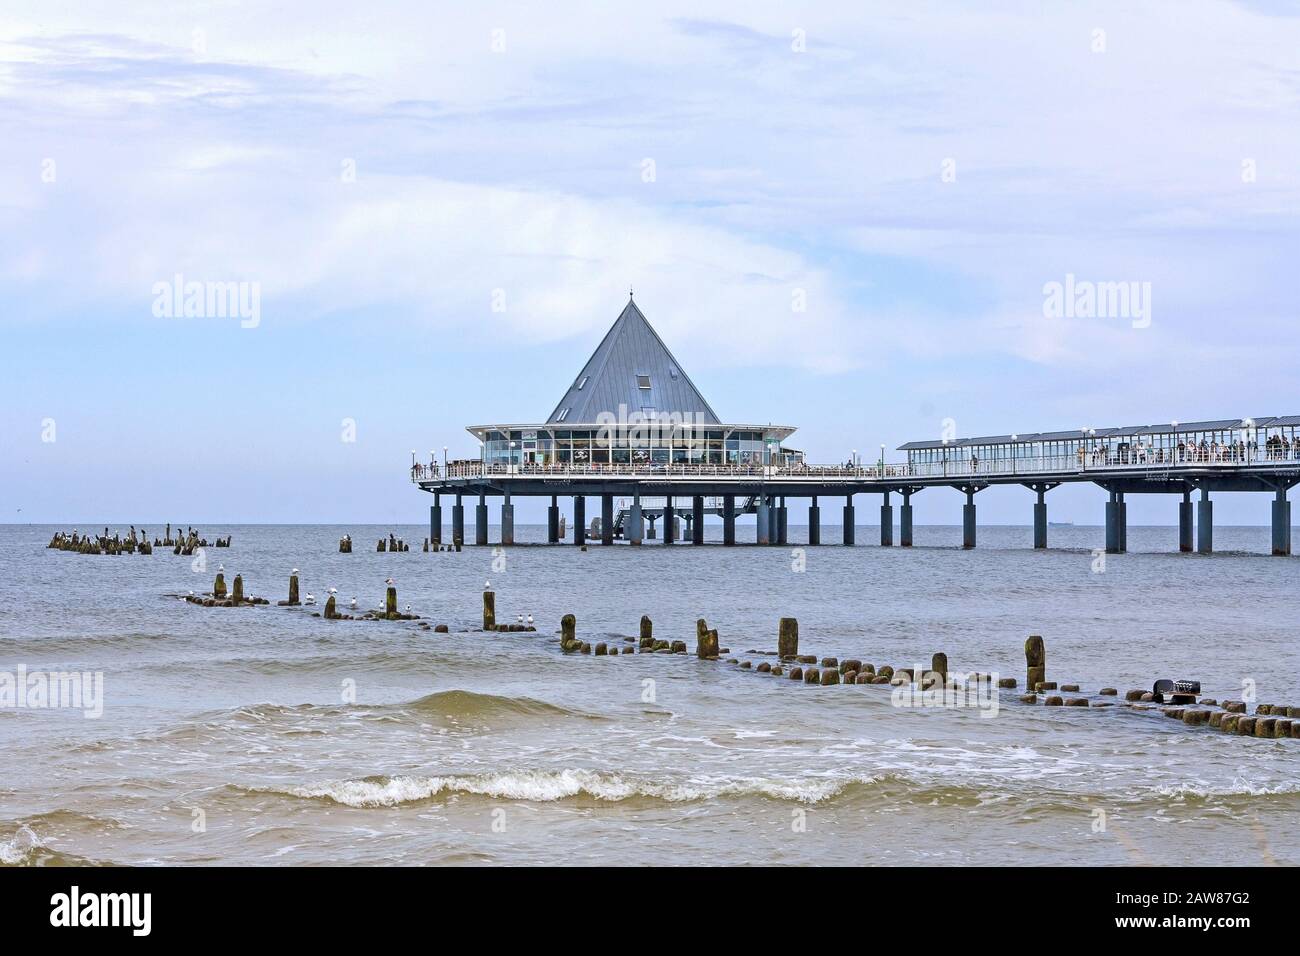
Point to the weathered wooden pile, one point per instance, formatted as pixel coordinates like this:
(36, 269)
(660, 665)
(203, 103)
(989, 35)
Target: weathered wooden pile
(116, 543)
(490, 616)
(455, 546)
(219, 597)
(393, 543)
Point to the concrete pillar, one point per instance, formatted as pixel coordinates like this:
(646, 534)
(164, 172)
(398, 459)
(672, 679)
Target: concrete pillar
(507, 520)
(697, 519)
(669, 531)
(480, 520)
(773, 529)
(848, 520)
(886, 522)
(650, 531)
(814, 522)
(1112, 524)
(635, 532)
(435, 520)
(764, 522)
(1205, 523)
(905, 521)
(606, 519)
(1185, 522)
(728, 519)
(1040, 518)
(1281, 523)
(968, 520)
(1123, 524)
(553, 521)
(782, 525)
(580, 520)
(458, 522)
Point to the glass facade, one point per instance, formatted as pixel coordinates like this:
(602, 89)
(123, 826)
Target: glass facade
(639, 444)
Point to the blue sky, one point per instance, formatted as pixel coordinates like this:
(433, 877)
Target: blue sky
(918, 171)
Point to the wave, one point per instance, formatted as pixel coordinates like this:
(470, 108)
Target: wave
(555, 785)
(26, 848)
(466, 703)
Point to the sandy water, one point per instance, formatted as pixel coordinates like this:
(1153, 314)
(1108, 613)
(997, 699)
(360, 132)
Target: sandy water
(267, 736)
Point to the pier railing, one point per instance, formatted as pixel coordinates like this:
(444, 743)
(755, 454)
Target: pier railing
(1153, 462)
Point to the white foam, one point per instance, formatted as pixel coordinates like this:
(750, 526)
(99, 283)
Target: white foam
(551, 785)
(17, 848)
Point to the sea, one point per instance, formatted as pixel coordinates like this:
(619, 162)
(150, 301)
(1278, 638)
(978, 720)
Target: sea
(269, 736)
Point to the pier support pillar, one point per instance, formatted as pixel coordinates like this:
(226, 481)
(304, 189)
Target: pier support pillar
(968, 520)
(781, 525)
(1281, 524)
(729, 519)
(1112, 524)
(480, 520)
(814, 522)
(435, 521)
(697, 519)
(507, 520)
(886, 522)
(458, 522)
(670, 533)
(650, 531)
(1205, 523)
(636, 524)
(1040, 519)
(764, 522)
(1185, 522)
(606, 519)
(553, 521)
(848, 520)
(905, 521)
(1123, 524)
(580, 520)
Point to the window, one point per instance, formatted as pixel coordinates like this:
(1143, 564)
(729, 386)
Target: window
(643, 381)
(582, 382)
(564, 413)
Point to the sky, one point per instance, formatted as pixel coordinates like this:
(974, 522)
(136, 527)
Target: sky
(442, 208)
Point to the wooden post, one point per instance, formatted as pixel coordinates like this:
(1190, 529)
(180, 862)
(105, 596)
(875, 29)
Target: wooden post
(706, 641)
(939, 665)
(390, 602)
(568, 631)
(237, 595)
(489, 611)
(1036, 662)
(293, 589)
(787, 642)
(219, 586)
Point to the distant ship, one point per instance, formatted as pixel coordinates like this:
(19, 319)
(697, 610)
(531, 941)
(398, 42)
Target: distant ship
(1060, 524)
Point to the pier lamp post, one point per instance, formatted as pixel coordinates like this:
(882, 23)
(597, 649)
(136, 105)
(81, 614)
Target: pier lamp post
(512, 458)
(882, 459)
(412, 462)
(853, 459)
(1247, 434)
(1014, 439)
(1173, 452)
(444, 459)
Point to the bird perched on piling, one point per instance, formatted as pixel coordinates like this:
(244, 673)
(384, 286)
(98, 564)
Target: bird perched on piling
(487, 585)
(390, 582)
(530, 620)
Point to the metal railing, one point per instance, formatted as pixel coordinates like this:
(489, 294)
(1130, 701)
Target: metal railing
(1154, 461)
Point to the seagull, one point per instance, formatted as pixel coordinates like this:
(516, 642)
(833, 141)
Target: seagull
(408, 609)
(521, 619)
(487, 585)
(294, 571)
(530, 620)
(221, 567)
(334, 591)
(353, 604)
(390, 582)
(311, 599)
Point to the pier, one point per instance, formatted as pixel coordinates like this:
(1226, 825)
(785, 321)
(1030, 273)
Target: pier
(632, 429)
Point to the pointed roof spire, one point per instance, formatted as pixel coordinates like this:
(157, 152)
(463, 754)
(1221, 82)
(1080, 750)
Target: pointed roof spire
(631, 367)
